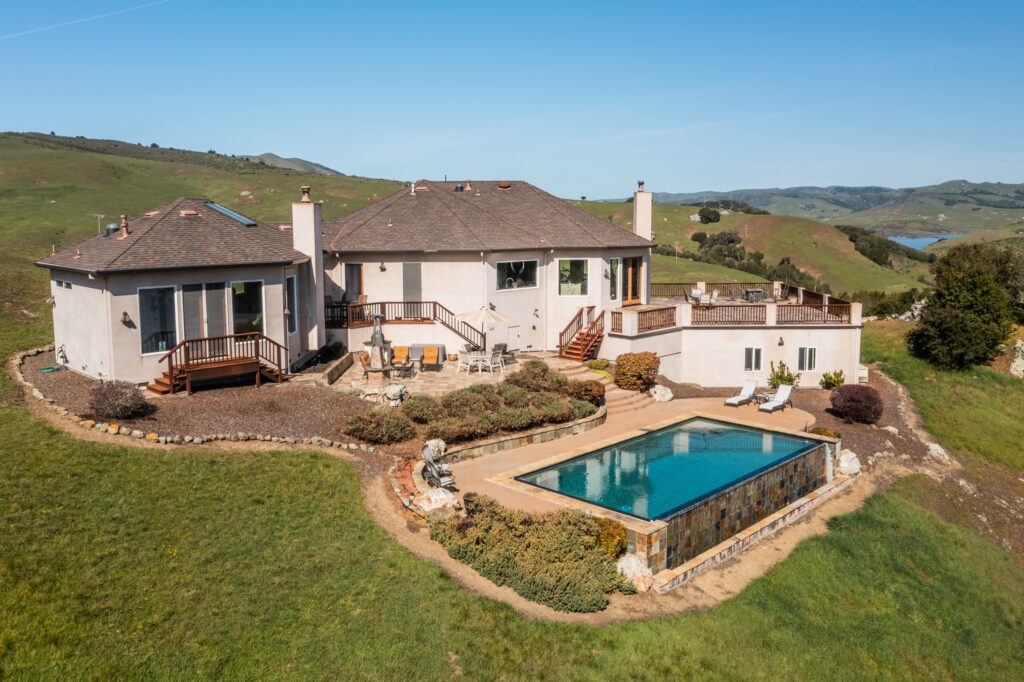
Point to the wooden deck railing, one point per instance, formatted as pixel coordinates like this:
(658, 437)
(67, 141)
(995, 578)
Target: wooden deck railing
(659, 318)
(616, 321)
(832, 313)
(576, 324)
(354, 315)
(672, 289)
(191, 354)
(727, 315)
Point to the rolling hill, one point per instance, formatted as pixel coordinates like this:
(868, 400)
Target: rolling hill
(954, 206)
(819, 249)
(294, 164)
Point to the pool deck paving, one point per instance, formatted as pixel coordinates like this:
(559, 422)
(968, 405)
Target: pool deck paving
(492, 475)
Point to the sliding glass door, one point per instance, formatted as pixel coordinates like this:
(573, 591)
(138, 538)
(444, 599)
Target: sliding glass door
(247, 307)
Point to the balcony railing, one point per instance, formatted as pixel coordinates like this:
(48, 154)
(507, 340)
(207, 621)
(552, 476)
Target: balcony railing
(832, 313)
(729, 315)
(658, 318)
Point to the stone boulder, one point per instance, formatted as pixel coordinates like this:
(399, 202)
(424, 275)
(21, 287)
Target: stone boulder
(437, 448)
(437, 503)
(635, 569)
(1017, 364)
(395, 394)
(849, 465)
(661, 394)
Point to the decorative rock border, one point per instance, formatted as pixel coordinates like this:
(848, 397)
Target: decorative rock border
(115, 429)
(518, 440)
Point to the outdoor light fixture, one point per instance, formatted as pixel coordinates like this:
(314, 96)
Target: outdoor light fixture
(125, 319)
(383, 268)
(781, 342)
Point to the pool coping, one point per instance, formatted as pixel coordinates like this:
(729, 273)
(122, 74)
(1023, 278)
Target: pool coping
(508, 480)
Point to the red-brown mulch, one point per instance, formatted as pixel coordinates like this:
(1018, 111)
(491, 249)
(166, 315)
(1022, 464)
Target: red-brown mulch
(301, 411)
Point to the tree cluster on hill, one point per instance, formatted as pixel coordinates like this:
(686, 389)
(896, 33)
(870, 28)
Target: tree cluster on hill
(734, 205)
(978, 295)
(879, 249)
(885, 303)
(709, 215)
(724, 248)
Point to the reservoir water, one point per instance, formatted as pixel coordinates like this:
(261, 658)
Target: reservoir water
(922, 241)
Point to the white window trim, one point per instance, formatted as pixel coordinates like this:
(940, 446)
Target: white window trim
(558, 278)
(757, 355)
(294, 313)
(263, 303)
(521, 260)
(808, 352)
(178, 331)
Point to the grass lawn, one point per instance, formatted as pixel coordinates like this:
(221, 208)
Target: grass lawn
(977, 411)
(670, 269)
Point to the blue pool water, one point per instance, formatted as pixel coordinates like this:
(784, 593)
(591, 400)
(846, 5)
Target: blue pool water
(921, 242)
(657, 474)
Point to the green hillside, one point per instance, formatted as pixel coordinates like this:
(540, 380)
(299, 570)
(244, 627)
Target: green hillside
(50, 192)
(670, 269)
(1010, 236)
(817, 248)
(954, 206)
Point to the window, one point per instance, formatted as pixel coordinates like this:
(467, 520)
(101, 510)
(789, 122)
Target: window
(61, 284)
(292, 303)
(353, 281)
(807, 359)
(517, 274)
(752, 360)
(247, 307)
(613, 273)
(572, 277)
(157, 319)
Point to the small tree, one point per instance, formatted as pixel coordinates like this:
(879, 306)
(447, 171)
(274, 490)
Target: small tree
(699, 237)
(709, 215)
(782, 375)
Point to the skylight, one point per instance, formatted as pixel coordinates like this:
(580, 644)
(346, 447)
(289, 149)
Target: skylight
(248, 222)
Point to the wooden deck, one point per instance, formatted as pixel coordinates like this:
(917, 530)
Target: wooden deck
(219, 358)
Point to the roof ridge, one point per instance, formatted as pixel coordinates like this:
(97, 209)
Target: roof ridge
(498, 217)
(171, 206)
(386, 202)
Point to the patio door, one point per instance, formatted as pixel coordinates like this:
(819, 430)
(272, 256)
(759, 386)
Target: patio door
(192, 310)
(631, 280)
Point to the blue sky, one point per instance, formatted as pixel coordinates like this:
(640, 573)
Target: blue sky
(580, 98)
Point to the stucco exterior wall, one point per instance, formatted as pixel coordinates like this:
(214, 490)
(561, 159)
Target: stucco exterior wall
(81, 324)
(129, 363)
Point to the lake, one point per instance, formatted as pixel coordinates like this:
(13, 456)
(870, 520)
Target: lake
(921, 242)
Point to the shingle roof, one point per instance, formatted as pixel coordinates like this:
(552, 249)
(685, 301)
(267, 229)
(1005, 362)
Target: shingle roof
(165, 238)
(484, 218)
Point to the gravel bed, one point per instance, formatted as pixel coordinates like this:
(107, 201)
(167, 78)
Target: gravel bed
(301, 411)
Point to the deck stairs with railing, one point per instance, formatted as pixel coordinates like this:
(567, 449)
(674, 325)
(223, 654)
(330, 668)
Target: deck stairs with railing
(581, 338)
(220, 358)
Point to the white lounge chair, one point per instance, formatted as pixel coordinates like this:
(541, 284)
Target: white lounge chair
(745, 395)
(779, 400)
(714, 296)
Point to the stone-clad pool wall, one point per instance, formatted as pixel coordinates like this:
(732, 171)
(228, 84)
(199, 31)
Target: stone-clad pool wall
(710, 522)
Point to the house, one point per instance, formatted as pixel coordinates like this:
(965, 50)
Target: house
(193, 290)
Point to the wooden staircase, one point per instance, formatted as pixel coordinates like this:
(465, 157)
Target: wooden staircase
(219, 358)
(582, 337)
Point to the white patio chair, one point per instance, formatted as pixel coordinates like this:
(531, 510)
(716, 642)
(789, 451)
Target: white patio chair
(492, 362)
(779, 400)
(695, 295)
(465, 362)
(714, 295)
(745, 395)
(705, 299)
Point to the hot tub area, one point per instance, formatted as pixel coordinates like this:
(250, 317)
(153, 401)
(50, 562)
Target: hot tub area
(690, 487)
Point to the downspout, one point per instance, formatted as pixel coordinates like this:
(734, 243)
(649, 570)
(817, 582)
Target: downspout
(483, 288)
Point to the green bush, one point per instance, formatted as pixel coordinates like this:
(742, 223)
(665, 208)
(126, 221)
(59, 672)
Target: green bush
(118, 400)
(423, 409)
(537, 376)
(463, 403)
(380, 426)
(599, 364)
(856, 403)
(611, 537)
(590, 390)
(515, 418)
(514, 396)
(455, 429)
(955, 339)
(489, 394)
(830, 380)
(782, 375)
(553, 559)
(581, 408)
(636, 371)
(550, 407)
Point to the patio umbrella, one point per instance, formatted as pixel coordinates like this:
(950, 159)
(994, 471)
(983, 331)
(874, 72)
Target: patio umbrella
(482, 317)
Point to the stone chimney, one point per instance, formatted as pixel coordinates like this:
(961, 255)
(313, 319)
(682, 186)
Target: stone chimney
(308, 238)
(642, 206)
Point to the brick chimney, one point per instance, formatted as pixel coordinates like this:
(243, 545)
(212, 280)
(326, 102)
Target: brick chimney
(642, 206)
(308, 238)
(124, 226)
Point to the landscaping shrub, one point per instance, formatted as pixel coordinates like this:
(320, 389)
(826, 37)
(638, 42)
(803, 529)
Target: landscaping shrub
(611, 537)
(489, 393)
(423, 409)
(553, 559)
(599, 364)
(856, 403)
(514, 396)
(537, 376)
(381, 426)
(463, 403)
(824, 431)
(782, 375)
(455, 429)
(515, 418)
(581, 408)
(118, 400)
(590, 390)
(830, 380)
(636, 371)
(550, 407)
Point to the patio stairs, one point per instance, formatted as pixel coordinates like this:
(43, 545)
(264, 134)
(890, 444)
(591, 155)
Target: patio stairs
(583, 346)
(581, 338)
(616, 399)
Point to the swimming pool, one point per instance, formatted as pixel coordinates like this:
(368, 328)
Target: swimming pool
(669, 471)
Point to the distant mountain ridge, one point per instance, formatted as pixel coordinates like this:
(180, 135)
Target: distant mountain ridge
(294, 163)
(954, 206)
